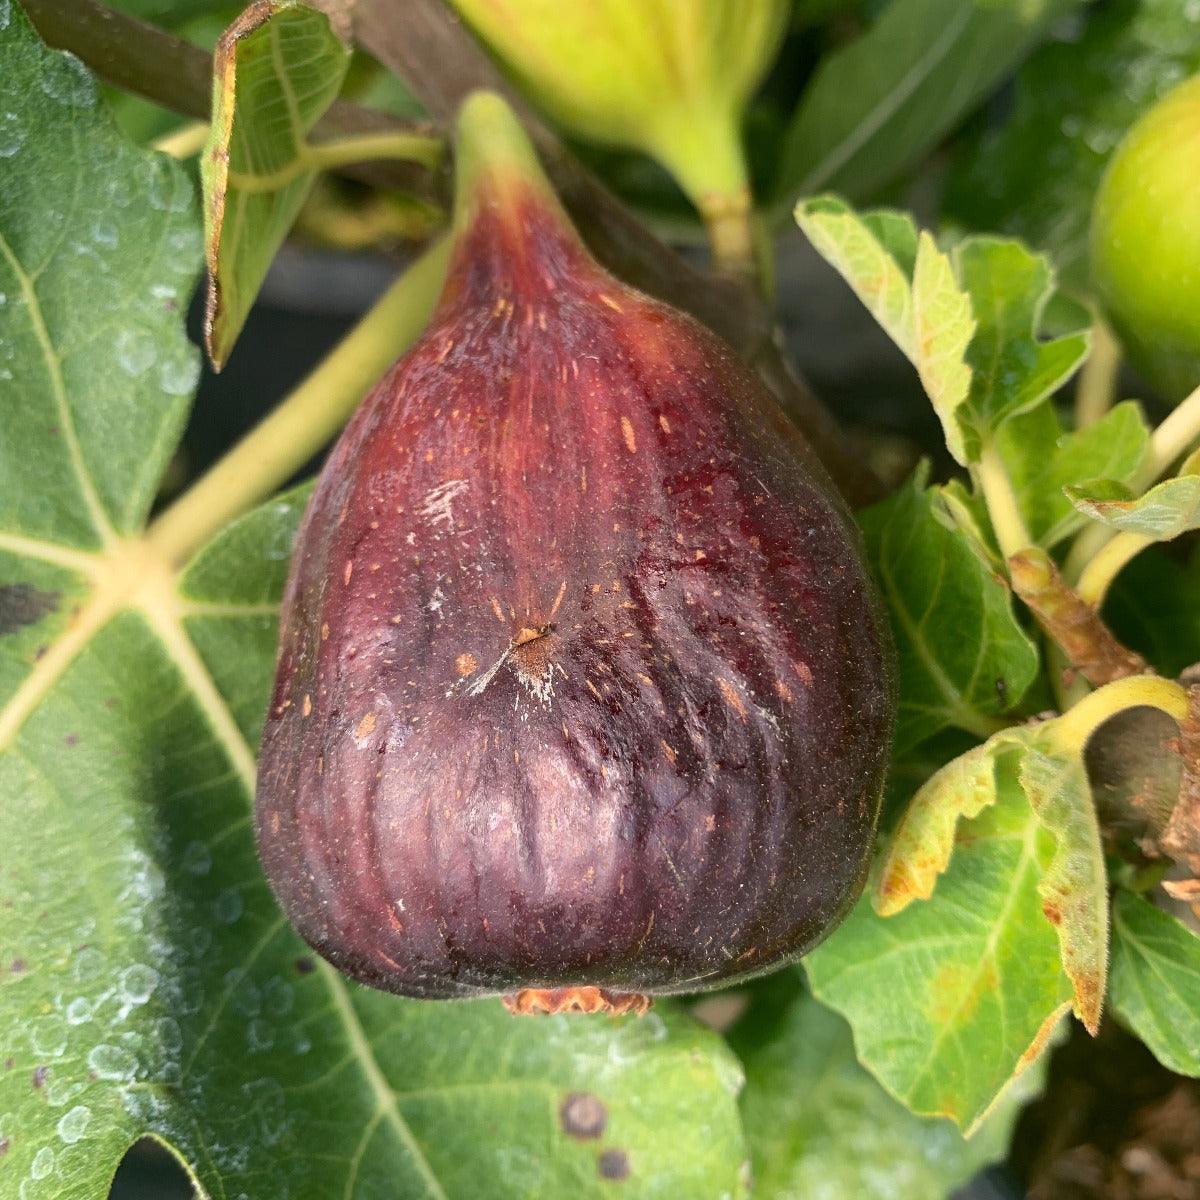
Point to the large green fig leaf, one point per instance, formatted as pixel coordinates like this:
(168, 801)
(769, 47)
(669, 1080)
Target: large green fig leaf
(820, 1125)
(1156, 981)
(148, 982)
(954, 996)
(932, 581)
(875, 107)
(969, 321)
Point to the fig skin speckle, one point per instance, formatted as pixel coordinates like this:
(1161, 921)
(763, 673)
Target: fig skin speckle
(582, 681)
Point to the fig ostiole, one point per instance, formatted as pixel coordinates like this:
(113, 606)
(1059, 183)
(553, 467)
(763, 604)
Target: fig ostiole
(583, 694)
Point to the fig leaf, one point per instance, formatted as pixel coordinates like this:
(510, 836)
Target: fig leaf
(932, 580)
(150, 985)
(1164, 512)
(819, 1123)
(277, 69)
(969, 321)
(1042, 459)
(1156, 981)
(875, 107)
(973, 985)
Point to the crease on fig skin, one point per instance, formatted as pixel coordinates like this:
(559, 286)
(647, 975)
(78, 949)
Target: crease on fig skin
(582, 685)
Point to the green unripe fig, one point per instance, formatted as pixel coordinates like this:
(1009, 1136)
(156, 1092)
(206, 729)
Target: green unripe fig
(668, 77)
(1145, 242)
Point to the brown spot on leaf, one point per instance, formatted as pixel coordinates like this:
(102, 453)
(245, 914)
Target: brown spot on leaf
(18, 966)
(4, 1143)
(613, 1164)
(305, 965)
(583, 1115)
(957, 989)
(39, 1077)
(22, 604)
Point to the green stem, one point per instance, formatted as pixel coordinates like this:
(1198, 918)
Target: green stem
(183, 142)
(1107, 563)
(1072, 730)
(328, 156)
(1001, 502)
(705, 155)
(272, 452)
(1098, 380)
(1170, 441)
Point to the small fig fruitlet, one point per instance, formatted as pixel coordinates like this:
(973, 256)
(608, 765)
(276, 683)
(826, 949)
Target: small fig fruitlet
(582, 693)
(1145, 241)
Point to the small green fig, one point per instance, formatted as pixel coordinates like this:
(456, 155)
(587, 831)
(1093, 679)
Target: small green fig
(1145, 241)
(668, 77)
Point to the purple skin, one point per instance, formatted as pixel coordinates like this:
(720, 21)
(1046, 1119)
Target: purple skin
(582, 680)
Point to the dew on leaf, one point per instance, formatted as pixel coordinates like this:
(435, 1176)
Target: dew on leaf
(278, 996)
(12, 135)
(104, 233)
(5, 13)
(68, 81)
(74, 1124)
(138, 983)
(244, 999)
(112, 1062)
(61, 1092)
(43, 1163)
(79, 1011)
(266, 1100)
(201, 939)
(48, 1036)
(166, 190)
(89, 962)
(167, 1031)
(185, 242)
(178, 376)
(135, 351)
(260, 1036)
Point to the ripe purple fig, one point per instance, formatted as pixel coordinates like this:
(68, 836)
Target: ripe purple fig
(583, 694)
